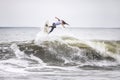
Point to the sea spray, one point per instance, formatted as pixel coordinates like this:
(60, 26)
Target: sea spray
(41, 36)
(55, 35)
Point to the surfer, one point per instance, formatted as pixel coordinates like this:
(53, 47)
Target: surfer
(59, 22)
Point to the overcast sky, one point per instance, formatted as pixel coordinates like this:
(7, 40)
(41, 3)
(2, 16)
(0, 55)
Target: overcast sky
(78, 13)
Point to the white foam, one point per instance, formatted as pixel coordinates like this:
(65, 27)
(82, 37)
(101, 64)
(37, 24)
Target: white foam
(102, 63)
(19, 54)
(101, 47)
(37, 59)
(22, 58)
(41, 36)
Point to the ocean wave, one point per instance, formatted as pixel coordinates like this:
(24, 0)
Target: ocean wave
(63, 51)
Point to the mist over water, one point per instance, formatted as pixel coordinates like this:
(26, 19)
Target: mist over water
(65, 54)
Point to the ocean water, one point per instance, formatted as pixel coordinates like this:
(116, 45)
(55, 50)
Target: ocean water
(65, 54)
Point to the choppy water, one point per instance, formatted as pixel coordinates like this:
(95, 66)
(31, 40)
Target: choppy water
(65, 54)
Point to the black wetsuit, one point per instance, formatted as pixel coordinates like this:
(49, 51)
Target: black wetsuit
(52, 27)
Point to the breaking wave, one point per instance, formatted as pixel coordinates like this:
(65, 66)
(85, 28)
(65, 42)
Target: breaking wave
(59, 51)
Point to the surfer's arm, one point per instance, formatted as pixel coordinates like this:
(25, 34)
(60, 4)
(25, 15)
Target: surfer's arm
(57, 18)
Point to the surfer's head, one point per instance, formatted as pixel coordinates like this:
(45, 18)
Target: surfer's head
(63, 22)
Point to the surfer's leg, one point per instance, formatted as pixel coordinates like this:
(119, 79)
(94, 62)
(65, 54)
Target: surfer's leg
(51, 29)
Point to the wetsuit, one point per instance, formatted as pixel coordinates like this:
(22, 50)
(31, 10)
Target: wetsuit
(54, 25)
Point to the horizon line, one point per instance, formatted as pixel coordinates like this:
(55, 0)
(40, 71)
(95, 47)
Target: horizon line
(58, 27)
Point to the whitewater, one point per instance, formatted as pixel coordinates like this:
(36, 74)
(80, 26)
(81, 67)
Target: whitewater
(65, 54)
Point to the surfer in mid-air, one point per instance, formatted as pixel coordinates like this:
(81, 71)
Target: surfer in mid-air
(59, 22)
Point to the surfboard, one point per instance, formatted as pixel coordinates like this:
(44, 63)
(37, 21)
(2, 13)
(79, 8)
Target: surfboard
(46, 27)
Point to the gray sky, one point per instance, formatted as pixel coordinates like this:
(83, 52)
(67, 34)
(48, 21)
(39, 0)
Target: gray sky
(78, 13)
